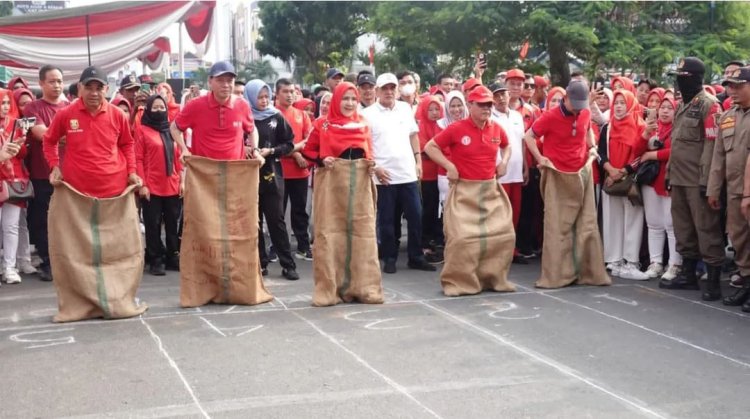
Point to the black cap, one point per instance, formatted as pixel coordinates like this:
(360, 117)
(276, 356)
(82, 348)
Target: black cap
(739, 76)
(220, 68)
(690, 66)
(93, 73)
(365, 78)
(129, 82)
(333, 72)
(498, 86)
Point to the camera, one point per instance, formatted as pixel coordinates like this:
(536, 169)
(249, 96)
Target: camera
(655, 144)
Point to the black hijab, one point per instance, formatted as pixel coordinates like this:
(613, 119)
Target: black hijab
(159, 122)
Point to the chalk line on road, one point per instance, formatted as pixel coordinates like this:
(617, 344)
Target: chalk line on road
(562, 368)
(396, 386)
(175, 367)
(698, 302)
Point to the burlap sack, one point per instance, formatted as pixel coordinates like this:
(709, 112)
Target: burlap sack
(345, 263)
(96, 254)
(219, 260)
(478, 227)
(572, 250)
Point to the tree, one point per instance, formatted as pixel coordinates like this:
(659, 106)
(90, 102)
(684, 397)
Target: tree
(316, 35)
(259, 69)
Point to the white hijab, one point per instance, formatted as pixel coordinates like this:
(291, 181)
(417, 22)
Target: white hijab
(443, 123)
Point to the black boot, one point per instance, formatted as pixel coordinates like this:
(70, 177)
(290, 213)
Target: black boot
(173, 262)
(746, 306)
(685, 280)
(157, 267)
(740, 296)
(712, 292)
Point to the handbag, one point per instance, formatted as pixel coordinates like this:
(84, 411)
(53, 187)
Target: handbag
(621, 187)
(647, 172)
(18, 189)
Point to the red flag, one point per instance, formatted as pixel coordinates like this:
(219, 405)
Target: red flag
(524, 50)
(372, 54)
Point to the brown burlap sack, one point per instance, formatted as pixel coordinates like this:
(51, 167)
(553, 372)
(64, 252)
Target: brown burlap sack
(96, 254)
(572, 250)
(219, 260)
(345, 266)
(478, 227)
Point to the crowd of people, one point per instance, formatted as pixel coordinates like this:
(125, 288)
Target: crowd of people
(576, 174)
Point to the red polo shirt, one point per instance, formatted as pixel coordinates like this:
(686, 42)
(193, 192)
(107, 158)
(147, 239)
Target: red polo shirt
(43, 111)
(99, 151)
(473, 149)
(301, 126)
(567, 152)
(218, 129)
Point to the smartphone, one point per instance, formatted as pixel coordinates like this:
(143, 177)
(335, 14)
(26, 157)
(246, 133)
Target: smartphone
(482, 60)
(650, 114)
(23, 124)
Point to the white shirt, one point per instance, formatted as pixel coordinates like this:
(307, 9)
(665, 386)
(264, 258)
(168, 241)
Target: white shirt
(512, 123)
(391, 146)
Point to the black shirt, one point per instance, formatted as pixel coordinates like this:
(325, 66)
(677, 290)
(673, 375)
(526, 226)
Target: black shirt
(275, 133)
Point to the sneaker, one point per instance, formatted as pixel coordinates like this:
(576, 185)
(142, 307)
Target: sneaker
(12, 277)
(290, 274)
(27, 268)
(434, 258)
(614, 268)
(655, 270)
(421, 265)
(272, 256)
(36, 261)
(45, 273)
(264, 271)
(303, 255)
(630, 271)
(671, 272)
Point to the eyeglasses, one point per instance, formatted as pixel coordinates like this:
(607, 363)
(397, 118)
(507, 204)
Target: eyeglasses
(528, 86)
(485, 105)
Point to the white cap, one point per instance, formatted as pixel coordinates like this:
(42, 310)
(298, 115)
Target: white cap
(386, 78)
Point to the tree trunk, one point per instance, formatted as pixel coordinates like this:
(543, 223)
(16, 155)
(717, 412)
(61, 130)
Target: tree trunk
(558, 62)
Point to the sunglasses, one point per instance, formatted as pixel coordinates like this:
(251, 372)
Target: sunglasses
(528, 86)
(484, 105)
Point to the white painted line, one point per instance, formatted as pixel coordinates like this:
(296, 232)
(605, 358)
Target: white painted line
(252, 329)
(656, 332)
(618, 299)
(211, 325)
(396, 386)
(174, 366)
(562, 368)
(700, 303)
(230, 309)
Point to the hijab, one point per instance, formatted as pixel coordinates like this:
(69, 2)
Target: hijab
(252, 90)
(658, 91)
(119, 100)
(627, 128)
(665, 128)
(173, 108)
(627, 84)
(15, 80)
(354, 127)
(159, 121)
(555, 91)
(20, 92)
(447, 119)
(303, 103)
(10, 118)
(428, 128)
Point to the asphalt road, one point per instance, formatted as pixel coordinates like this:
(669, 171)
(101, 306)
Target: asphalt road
(626, 351)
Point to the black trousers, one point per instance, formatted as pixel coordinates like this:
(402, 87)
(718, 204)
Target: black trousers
(432, 225)
(160, 209)
(37, 217)
(295, 191)
(270, 207)
(529, 235)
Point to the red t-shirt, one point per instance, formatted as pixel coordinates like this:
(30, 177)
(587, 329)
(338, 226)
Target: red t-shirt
(99, 149)
(218, 130)
(301, 127)
(473, 149)
(43, 111)
(567, 152)
(152, 165)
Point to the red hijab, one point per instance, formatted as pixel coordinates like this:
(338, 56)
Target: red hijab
(625, 132)
(353, 129)
(659, 92)
(10, 119)
(557, 90)
(173, 108)
(627, 84)
(303, 103)
(665, 128)
(428, 128)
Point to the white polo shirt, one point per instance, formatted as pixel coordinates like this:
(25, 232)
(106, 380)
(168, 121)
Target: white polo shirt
(512, 123)
(391, 129)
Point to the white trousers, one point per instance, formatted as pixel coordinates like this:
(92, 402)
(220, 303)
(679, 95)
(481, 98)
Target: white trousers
(10, 216)
(659, 223)
(623, 229)
(443, 187)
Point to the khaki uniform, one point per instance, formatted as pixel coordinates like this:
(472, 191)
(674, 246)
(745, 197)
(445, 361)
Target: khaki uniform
(697, 227)
(730, 156)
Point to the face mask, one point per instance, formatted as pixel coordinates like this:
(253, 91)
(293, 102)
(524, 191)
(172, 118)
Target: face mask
(159, 116)
(408, 89)
(690, 86)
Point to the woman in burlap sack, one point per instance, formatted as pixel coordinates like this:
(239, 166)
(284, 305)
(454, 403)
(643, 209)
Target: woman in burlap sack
(345, 267)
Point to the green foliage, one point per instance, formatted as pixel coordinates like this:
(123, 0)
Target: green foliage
(260, 69)
(316, 34)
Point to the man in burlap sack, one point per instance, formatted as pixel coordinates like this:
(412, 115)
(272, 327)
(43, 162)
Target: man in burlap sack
(478, 218)
(95, 244)
(572, 250)
(219, 259)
